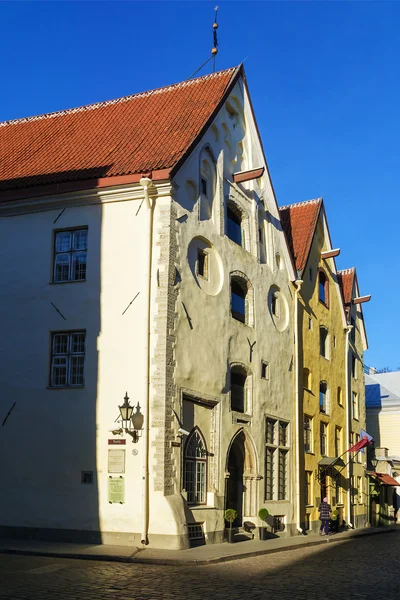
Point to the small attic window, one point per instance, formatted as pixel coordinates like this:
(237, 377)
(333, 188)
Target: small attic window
(204, 186)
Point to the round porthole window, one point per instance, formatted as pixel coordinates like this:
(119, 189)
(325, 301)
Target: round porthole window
(205, 265)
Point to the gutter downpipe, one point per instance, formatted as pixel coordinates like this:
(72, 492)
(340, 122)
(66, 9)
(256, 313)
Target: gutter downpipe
(298, 283)
(348, 422)
(146, 182)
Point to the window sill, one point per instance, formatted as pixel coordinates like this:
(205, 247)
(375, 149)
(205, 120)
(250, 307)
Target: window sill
(325, 357)
(323, 303)
(64, 282)
(65, 387)
(201, 507)
(309, 506)
(309, 452)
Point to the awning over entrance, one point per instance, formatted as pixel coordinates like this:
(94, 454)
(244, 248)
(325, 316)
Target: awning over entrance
(331, 462)
(385, 479)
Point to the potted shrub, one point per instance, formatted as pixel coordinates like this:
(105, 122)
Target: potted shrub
(263, 515)
(230, 516)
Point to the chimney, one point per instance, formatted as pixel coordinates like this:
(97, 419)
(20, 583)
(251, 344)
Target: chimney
(381, 453)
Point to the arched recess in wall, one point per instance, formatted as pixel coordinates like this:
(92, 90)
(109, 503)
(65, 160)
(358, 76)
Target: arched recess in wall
(262, 236)
(278, 308)
(227, 142)
(191, 190)
(208, 184)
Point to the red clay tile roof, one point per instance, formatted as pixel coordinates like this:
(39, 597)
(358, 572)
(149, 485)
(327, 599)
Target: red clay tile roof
(299, 222)
(346, 282)
(135, 134)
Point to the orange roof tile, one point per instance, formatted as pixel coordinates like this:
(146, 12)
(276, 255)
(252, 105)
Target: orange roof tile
(346, 282)
(135, 134)
(299, 222)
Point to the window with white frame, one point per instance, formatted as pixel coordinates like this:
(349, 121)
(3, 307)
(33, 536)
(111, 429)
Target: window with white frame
(338, 441)
(307, 434)
(323, 397)
(354, 405)
(338, 491)
(70, 255)
(323, 342)
(276, 459)
(323, 438)
(195, 468)
(360, 489)
(307, 488)
(67, 359)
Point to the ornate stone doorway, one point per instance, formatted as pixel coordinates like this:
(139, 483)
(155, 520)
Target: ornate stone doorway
(241, 484)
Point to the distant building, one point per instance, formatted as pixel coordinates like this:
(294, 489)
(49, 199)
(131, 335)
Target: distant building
(382, 392)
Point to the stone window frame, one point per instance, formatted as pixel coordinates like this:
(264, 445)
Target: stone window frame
(249, 307)
(203, 460)
(275, 449)
(236, 206)
(248, 388)
(325, 285)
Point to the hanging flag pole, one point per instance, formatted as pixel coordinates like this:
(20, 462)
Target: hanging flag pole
(214, 50)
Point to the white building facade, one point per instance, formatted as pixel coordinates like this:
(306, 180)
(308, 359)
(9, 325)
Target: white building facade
(175, 286)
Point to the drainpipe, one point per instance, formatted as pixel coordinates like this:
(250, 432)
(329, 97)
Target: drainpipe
(348, 420)
(146, 182)
(298, 283)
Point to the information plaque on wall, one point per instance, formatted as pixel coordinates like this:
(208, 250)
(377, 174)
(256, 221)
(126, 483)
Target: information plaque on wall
(116, 490)
(116, 461)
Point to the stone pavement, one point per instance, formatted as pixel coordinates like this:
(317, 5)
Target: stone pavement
(366, 568)
(202, 555)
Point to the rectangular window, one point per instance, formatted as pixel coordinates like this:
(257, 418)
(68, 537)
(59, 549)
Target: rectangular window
(269, 473)
(323, 438)
(270, 431)
(307, 488)
(204, 186)
(67, 359)
(276, 459)
(202, 263)
(353, 331)
(282, 475)
(283, 433)
(360, 490)
(354, 492)
(70, 255)
(353, 366)
(310, 323)
(264, 370)
(338, 441)
(338, 491)
(279, 523)
(307, 434)
(354, 405)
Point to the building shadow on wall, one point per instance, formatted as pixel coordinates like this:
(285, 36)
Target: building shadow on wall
(48, 443)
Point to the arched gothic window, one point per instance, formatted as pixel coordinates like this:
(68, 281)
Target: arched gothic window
(195, 468)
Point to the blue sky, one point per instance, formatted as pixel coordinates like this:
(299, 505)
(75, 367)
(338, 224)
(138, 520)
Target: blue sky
(324, 80)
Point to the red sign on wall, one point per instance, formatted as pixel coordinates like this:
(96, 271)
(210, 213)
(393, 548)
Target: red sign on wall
(117, 442)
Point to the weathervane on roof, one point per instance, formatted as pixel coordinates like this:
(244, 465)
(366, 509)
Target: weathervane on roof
(214, 50)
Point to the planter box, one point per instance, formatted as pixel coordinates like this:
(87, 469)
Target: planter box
(262, 531)
(230, 536)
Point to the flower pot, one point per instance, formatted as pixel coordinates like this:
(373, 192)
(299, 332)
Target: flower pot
(262, 533)
(230, 536)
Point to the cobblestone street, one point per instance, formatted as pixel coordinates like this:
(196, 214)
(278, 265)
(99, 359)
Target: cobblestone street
(365, 568)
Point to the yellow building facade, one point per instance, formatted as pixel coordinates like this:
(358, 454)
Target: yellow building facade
(322, 332)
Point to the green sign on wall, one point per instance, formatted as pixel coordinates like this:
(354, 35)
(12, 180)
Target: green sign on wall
(116, 490)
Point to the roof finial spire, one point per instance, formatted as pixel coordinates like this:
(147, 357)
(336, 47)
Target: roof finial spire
(214, 50)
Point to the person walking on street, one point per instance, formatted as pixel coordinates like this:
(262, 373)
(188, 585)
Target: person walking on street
(324, 513)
